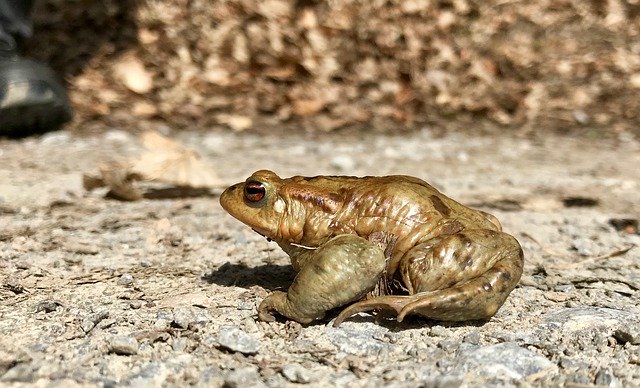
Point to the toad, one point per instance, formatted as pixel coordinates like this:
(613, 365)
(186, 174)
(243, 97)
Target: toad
(393, 244)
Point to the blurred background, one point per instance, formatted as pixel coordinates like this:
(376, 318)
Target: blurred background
(569, 66)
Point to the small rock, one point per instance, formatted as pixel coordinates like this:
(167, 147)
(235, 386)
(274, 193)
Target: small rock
(505, 360)
(125, 280)
(438, 331)
(360, 340)
(123, 345)
(179, 344)
(236, 340)
(581, 376)
(584, 246)
(296, 373)
(448, 346)
(182, 317)
(343, 162)
(605, 377)
(571, 363)
(135, 304)
(601, 319)
(244, 377)
(39, 347)
(89, 323)
(152, 374)
(164, 319)
(246, 305)
(47, 306)
(472, 338)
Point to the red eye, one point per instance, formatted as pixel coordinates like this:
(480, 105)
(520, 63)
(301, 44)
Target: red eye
(254, 191)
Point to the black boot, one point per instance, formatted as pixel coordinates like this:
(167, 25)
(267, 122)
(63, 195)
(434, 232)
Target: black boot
(31, 98)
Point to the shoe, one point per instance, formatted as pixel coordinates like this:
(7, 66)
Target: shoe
(32, 101)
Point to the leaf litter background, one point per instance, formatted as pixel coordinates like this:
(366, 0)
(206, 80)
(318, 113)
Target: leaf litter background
(322, 65)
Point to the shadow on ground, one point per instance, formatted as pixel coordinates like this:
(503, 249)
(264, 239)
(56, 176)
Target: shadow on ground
(268, 276)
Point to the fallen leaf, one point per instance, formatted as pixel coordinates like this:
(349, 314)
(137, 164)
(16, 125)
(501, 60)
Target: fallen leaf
(131, 72)
(169, 161)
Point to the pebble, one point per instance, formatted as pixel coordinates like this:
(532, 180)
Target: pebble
(152, 374)
(179, 344)
(164, 319)
(125, 280)
(359, 340)
(89, 323)
(473, 338)
(343, 163)
(505, 360)
(296, 373)
(438, 331)
(47, 306)
(237, 340)
(605, 377)
(135, 304)
(182, 317)
(244, 377)
(600, 319)
(123, 345)
(448, 346)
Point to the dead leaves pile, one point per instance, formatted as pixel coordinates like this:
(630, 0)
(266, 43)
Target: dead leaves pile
(178, 171)
(320, 65)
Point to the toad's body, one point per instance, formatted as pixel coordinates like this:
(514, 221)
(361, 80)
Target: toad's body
(369, 240)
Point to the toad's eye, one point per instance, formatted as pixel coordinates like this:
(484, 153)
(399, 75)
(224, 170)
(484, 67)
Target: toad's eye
(254, 191)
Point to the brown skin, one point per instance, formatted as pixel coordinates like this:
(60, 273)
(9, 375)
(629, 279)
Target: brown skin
(390, 243)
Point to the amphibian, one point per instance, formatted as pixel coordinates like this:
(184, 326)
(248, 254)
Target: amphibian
(393, 244)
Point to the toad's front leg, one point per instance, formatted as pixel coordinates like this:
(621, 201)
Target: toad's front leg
(342, 270)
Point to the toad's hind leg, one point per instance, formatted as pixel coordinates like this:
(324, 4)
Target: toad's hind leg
(465, 276)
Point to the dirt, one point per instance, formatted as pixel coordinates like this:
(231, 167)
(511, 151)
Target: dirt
(95, 291)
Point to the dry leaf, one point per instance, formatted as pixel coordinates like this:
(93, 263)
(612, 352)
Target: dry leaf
(131, 72)
(165, 161)
(119, 179)
(169, 161)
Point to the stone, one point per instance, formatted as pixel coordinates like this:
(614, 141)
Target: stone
(123, 345)
(343, 163)
(125, 280)
(505, 360)
(244, 377)
(296, 373)
(182, 317)
(621, 324)
(237, 340)
(358, 340)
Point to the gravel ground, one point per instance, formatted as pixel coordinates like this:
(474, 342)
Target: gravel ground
(163, 292)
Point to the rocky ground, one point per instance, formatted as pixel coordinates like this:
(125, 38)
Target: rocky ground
(163, 292)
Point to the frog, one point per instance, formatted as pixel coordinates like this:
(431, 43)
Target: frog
(393, 245)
